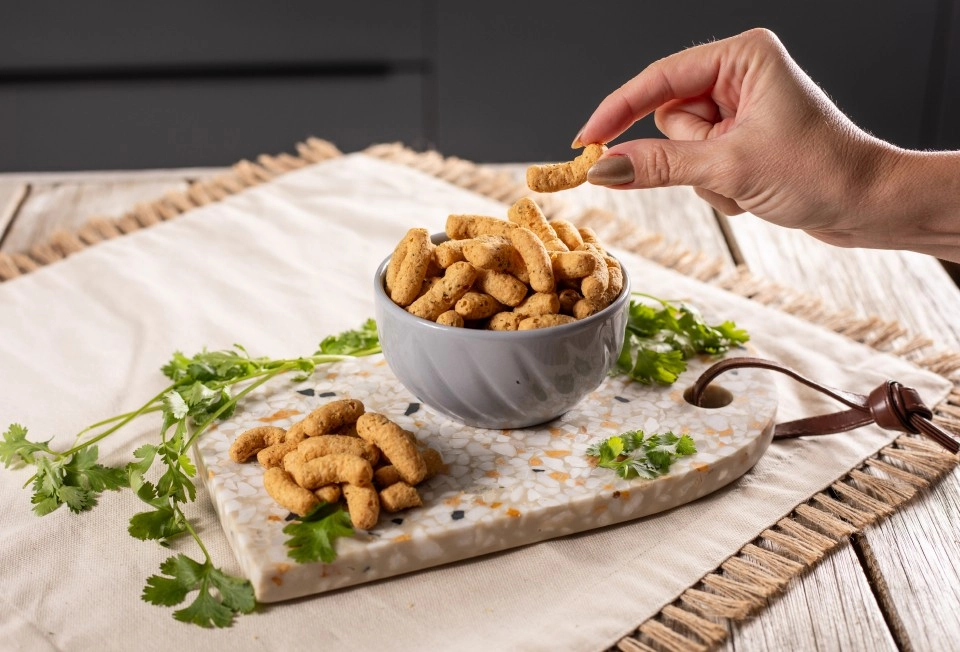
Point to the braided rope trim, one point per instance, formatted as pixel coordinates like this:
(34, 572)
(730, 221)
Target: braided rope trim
(699, 618)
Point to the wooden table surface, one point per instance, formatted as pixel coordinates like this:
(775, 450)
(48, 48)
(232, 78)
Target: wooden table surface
(896, 585)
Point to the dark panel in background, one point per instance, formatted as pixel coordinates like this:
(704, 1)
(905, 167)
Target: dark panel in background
(54, 35)
(517, 80)
(116, 84)
(209, 122)
(947, 114)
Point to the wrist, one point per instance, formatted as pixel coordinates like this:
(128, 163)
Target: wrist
(914, 203)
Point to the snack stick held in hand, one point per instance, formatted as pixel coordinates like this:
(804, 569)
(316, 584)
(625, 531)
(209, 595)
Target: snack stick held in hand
(563, 176)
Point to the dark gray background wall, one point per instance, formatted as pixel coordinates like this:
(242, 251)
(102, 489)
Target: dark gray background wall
(116, 84)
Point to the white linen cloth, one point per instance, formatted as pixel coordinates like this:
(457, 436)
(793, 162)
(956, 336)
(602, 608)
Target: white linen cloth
(276, 268)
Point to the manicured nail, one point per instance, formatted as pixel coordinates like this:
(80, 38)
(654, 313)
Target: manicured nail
(611, 171)
(576, 144)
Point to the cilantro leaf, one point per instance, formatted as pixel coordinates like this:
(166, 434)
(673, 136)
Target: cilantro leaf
(219, 596)
(15, 447)
(312, 537)
(360, 341)
(632, 454)
(659, 340)
(161, 524)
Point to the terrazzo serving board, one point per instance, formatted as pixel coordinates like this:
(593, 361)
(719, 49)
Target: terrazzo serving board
(501, 489)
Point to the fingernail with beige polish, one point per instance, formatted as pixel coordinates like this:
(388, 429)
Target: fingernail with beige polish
(576, 144)
(611, 171)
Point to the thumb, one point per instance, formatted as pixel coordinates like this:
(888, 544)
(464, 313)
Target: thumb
(653, 163)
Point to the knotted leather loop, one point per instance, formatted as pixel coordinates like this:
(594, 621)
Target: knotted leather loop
(891, 406)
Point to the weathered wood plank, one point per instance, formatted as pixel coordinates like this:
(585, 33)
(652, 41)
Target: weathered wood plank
(915, 552)
(894, 285)
(830, 608)
(69, 205)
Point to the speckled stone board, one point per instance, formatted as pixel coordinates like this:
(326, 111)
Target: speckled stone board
(501, 489)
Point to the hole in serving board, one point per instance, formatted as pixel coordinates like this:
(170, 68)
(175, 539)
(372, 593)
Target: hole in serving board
(714, 396)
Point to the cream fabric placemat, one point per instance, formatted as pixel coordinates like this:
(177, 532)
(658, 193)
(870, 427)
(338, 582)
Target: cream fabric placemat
(277, 267)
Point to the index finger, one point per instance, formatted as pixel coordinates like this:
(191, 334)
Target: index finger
(683, 75)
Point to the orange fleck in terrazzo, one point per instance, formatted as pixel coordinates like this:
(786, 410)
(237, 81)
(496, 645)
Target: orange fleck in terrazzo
(492, 473)
(495, 505)
(278, 415)
(559, 476)
(452, 501)
(512, 513)
(535, 461)
(610, 424)
(558, 454)
(402, 537)
(699, 466)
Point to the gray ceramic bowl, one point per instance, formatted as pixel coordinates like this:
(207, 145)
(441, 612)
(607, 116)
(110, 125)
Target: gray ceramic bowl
(493, 379)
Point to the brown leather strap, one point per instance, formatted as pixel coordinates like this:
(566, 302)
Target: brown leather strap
(891, 406)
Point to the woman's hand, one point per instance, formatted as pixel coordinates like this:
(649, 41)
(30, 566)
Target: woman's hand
(750, 132)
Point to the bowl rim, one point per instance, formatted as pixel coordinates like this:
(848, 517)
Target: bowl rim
(380, 291)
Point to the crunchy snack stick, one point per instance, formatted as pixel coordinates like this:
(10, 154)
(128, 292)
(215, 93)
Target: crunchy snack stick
(495, 253)
(449, 252)
(273, 456)
(330, 469)
(541, 303)
(399, 496)
(568, 299)
(417, 254)
(451, 318)
(434, 462)
(505, 321)
(315, 447)
(254, 440)
(477, 305)
(386, 476)
(526, 213)
(563, 176)
(535, 259)
(363, 505)
(573, 264)
(545, 321)
(442, 296)
(288, 494)
(328, 417)
(397, 445)
(505, 288)
(567, 233)
(329, 493)
(595, 284)
(461, 227)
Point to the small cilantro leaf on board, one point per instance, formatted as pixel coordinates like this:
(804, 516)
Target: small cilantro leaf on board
(313, 536)
(633, 454)
(353, 342)
(219, 596)
(660, 339)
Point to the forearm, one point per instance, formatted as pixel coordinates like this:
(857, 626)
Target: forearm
(922, 203)
(890, 198)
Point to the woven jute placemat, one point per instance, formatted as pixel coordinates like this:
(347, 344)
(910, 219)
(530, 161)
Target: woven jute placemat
(744, 583)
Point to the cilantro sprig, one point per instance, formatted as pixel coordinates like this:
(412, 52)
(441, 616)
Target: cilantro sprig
(312, 536)
(203, 388)
(634, 455)
(661, 338)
